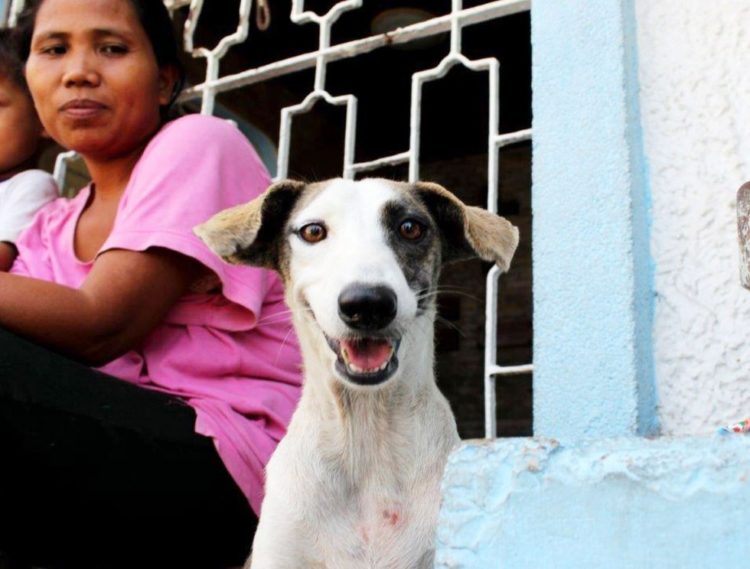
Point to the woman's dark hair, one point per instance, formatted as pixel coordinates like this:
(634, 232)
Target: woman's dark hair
(11, 65)
(153, 16)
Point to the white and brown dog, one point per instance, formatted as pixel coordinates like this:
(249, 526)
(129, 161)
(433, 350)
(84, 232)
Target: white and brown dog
(355, 483)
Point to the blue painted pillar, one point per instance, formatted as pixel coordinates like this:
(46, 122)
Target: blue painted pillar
(593, 300)
(614, 500)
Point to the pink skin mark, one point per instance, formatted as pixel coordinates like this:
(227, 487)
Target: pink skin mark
(363, 534)
(391, 518)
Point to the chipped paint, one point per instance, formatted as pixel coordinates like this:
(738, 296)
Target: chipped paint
(615, 503)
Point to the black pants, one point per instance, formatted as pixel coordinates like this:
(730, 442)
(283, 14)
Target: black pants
(99, 473)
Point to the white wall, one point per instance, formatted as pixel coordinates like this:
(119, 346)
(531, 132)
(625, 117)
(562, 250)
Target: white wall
(694, 72)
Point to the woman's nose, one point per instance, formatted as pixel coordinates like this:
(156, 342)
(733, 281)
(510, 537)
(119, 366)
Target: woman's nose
(81, 71)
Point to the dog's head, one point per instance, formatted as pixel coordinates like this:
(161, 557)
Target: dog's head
(360, 260)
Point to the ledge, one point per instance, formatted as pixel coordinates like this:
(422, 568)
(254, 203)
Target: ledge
(616, 503)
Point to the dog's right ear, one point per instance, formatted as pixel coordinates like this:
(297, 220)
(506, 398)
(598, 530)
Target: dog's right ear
(468, 231)
(249, 233)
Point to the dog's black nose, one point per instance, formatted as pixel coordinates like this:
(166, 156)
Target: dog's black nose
(365, 307)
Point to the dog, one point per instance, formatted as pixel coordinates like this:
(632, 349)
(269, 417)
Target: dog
(355, 483)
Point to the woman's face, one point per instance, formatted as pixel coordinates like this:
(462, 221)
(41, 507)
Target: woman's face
(94, 77)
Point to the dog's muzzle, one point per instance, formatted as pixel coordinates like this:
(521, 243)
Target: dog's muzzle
(366, 360)
(368, 355)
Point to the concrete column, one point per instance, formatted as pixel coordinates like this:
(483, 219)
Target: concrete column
(593, 300)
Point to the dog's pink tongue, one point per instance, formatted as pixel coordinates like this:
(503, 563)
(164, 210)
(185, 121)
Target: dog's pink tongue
(367, 354)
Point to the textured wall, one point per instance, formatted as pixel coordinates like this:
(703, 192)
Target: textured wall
(593, 372)
(626, 503)
(694, 72)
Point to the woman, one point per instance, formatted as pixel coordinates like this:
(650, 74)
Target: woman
(105, 473)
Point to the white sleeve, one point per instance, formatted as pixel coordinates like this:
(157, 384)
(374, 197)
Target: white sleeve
(20, 198)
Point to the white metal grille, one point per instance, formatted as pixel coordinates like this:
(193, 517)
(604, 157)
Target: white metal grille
(455, 22)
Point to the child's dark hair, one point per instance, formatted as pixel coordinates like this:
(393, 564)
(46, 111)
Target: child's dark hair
(11, 64)
(153, 16)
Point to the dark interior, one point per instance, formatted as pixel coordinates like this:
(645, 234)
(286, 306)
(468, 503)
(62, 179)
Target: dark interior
(453, 153)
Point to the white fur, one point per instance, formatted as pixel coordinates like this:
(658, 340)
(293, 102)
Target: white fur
(355, 484)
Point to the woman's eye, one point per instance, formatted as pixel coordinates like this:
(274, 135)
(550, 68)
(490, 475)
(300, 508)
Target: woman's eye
(411, 229)
(313, 232)
(53, 50)
(114, 49)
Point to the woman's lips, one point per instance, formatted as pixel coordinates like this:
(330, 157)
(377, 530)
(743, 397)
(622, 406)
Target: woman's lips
(82, 108)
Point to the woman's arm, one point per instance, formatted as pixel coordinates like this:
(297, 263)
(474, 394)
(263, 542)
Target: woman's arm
(125, 296)
(8, 254)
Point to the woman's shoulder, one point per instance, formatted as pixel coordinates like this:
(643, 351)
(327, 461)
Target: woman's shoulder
(199, 129)
(194, 144)
(60, 211)
(64, 207)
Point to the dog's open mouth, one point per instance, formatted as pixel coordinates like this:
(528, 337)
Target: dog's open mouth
(366, 361)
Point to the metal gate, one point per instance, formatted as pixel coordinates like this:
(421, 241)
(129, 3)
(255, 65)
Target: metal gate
(455, 23)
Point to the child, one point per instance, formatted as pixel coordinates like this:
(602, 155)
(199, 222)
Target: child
(22, 191)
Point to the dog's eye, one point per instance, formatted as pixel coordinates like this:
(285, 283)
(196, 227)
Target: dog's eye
(411, 229)
(313, 232)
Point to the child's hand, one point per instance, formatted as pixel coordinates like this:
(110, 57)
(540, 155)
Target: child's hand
(8, 254)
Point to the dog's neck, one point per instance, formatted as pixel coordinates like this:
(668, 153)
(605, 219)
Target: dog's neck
(356, 422)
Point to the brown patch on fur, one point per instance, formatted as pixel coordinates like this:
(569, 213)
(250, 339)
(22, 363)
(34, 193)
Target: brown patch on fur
(469, 230)
(251, 233)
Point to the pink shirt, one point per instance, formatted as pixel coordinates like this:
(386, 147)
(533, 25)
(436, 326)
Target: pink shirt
(227, 347)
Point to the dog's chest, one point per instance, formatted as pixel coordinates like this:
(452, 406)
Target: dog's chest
(381, 522)
(381, 532)
(386, 539)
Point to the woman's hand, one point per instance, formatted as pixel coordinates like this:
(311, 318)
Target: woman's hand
(125, 296)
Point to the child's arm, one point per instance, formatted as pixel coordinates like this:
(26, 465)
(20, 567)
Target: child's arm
(8, 254)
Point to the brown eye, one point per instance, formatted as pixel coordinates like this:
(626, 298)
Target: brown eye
(313, 232)
(411, 230)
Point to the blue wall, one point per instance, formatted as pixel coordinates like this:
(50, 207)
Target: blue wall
(623, 503)
(597, 495)
(593, 300)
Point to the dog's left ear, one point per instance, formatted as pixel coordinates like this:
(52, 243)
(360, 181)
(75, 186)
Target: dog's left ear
(249, 233)
(469, 231)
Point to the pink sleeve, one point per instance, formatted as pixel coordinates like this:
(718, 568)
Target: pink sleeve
(33, 258)
(29, 240)
(194, 167)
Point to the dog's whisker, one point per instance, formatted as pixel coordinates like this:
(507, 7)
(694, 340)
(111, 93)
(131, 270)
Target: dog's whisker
(441, 290)
(450, 324)
(282, 316)
(451, 288)
(431, 292)
(273, 317)
(284, 341)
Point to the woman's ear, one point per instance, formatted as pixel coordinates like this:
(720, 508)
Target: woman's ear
(168, 77)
